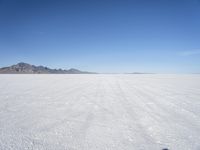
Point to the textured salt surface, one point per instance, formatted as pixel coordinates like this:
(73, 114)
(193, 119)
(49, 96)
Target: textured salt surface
(100, 112)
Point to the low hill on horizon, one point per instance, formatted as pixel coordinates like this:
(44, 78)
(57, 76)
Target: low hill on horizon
(25, 68)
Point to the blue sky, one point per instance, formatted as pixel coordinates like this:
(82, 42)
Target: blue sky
(161, 36)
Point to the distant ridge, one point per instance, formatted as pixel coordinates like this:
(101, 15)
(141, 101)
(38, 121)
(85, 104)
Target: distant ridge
(139, 73)
(25, 68)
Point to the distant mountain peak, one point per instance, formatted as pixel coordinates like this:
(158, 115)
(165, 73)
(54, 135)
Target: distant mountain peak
(25, 68)
(22, 63)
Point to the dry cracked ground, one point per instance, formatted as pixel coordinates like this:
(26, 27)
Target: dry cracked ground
(99, 112)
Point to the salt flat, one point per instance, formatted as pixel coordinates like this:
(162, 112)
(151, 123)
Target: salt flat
(99, 112)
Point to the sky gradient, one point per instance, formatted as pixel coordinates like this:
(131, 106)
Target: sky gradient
(108, 36)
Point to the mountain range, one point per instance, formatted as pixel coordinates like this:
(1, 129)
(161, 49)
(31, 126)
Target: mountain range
(25, 68)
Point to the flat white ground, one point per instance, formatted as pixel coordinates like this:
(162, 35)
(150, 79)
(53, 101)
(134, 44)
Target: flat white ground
(100, 112)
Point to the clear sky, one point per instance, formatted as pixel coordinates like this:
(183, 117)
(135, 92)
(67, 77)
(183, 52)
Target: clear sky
(161, 36)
